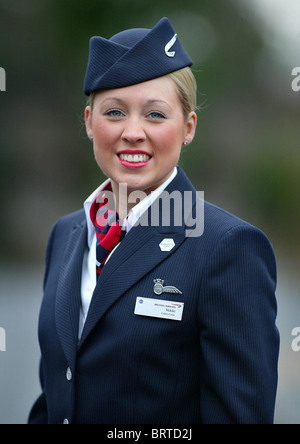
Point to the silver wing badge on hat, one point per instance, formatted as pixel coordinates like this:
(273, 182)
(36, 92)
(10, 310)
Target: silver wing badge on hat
(159, 288)
(169, 46)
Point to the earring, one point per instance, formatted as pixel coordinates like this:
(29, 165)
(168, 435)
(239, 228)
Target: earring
(185, 143)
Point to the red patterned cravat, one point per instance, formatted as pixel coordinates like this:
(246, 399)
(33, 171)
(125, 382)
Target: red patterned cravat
(108, 228)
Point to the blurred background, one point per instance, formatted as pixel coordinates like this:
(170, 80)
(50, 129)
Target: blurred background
(246, 156)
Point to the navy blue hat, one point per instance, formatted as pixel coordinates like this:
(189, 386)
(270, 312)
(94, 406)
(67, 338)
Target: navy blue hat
(134, 56)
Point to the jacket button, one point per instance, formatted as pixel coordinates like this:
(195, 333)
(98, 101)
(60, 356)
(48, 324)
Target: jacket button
(69, 374)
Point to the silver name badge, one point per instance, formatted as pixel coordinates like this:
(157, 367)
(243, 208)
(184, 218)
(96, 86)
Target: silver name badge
(156, 308)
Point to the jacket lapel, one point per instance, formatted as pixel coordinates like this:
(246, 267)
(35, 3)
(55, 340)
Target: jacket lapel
(69, 292)
(137, 254)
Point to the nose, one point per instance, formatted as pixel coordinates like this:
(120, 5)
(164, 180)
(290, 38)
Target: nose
(133, 131)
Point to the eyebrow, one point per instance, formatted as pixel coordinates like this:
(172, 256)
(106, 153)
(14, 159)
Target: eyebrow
(121, 101)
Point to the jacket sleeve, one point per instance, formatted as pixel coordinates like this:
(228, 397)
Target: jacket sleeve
(38, 413)
(238, 337)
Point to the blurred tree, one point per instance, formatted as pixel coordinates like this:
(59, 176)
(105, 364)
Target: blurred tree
(47, 167)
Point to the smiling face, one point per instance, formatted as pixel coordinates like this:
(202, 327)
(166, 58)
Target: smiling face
(138, 132)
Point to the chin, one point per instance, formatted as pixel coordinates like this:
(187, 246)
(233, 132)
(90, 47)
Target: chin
(135, 180)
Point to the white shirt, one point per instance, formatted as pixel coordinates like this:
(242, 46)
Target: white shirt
(88, 278)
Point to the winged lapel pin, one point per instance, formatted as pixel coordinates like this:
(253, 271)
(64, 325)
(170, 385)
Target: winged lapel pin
(159, 288)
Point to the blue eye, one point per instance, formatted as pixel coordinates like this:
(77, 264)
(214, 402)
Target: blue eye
(156, 115)
(114, 113)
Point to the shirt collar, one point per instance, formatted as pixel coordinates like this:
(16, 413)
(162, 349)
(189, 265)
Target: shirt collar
(87, 207)
(135, 213)
(139, 209)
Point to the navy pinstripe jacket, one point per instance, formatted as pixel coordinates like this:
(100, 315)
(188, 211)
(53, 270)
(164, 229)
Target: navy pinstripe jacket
(218, 365)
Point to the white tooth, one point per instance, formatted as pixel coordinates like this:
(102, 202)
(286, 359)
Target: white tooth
(134, 157)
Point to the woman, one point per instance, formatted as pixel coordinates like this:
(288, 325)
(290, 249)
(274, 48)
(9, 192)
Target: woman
(146, 317)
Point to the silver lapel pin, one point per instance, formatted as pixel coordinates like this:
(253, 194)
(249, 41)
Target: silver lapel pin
(159, 287)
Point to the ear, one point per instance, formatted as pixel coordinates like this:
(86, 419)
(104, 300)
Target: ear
(191, 125)
(88, 122)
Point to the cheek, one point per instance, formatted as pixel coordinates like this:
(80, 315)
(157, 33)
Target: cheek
(102, 133)
(102, 143)
(105, 138)
(169, 141)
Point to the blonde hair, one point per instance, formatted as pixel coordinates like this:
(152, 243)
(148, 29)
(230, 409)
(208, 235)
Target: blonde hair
(186, 86)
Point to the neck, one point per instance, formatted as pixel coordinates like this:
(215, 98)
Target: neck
(126, 199)
(122, 199)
